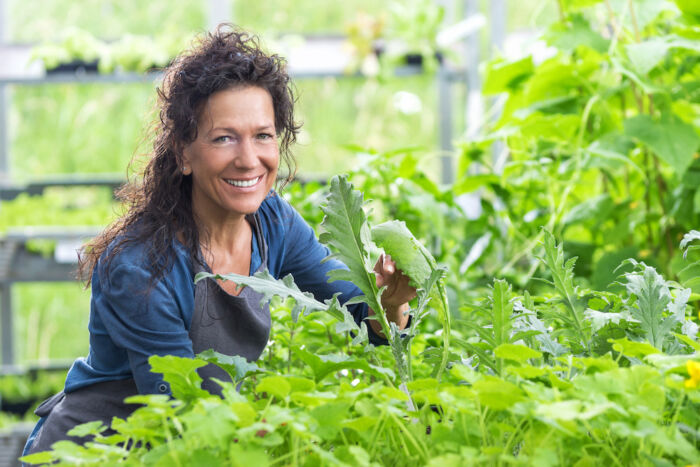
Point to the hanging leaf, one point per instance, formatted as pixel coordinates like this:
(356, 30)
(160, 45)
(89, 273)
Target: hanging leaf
(235, 365)
(687, 239)
(579, 4)
(674, 141)
(503, 76)
(568, 37)
(645, 11)
(419, 265)
(647, 55)
(475, 251)
(304, 302)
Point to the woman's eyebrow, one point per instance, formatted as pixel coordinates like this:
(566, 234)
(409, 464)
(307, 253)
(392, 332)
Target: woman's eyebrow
(233, 130)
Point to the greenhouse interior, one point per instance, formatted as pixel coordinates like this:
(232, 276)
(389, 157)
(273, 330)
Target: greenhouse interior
(357, 233)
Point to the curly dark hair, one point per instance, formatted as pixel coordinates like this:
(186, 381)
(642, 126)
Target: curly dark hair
(159, 204)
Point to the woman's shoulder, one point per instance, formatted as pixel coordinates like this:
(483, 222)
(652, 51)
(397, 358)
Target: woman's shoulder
(132, 252)
(275, 204)
(276, 213)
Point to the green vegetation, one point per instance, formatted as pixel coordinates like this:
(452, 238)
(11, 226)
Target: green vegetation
(619, 387)
(557, 317)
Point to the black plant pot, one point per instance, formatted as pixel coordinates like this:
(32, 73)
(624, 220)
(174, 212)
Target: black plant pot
(410, 59)
(17, 407)
(413, 59)
(74, 66)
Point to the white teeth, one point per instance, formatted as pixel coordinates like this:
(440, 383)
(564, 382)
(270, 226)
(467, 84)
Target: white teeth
(243, 183)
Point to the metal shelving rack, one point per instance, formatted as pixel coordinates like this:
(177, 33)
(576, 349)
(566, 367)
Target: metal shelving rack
(18, 265)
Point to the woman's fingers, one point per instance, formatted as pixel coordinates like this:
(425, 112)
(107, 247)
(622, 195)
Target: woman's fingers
(388, 264)
(394, 279)
(378, 268)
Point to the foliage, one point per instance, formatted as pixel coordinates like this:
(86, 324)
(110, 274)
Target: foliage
(38, 386)
(523, 387)
(601, 138)
(60, 207)
(131, 53)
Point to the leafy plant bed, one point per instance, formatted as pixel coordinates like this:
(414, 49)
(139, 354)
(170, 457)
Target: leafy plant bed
(19, 394)
(561, 377)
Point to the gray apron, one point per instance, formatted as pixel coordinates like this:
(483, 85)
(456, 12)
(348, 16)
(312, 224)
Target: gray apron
(231, 325)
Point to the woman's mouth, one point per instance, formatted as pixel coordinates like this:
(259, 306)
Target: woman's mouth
(243, 183)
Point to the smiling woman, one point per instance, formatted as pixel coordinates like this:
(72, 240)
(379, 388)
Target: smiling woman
(233, 164)
(205, 202)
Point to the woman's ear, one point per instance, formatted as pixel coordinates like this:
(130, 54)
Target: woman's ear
(186, 167)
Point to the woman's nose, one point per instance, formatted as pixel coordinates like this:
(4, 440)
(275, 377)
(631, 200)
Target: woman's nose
(246, 156)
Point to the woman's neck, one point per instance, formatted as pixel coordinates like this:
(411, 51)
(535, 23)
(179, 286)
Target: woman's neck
(229, 234)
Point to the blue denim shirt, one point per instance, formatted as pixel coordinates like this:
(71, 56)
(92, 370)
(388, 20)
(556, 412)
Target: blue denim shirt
(128, 325)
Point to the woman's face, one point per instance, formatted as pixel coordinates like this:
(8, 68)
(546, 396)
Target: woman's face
(234, 159)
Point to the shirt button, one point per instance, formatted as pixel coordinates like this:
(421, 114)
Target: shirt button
(162, 387)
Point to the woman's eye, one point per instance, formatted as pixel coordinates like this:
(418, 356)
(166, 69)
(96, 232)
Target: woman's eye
(265, 136)
(222, 139)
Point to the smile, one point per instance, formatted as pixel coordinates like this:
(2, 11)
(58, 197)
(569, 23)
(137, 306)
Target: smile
(243, 183)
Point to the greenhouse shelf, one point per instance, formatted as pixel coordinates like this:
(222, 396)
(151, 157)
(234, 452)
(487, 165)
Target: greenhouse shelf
(12, 444)
(19, 264)
(10, 190)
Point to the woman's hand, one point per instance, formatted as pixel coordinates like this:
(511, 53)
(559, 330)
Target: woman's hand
(396, 295)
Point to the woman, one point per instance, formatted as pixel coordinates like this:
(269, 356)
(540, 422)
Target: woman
(206, 203)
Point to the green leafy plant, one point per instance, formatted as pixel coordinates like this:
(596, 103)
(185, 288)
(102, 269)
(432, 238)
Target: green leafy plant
(600, 141)
(348, 235)
(562, 279)
(516, 393)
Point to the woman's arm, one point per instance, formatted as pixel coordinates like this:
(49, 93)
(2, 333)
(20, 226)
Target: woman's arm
(142, 319)
(302, 256)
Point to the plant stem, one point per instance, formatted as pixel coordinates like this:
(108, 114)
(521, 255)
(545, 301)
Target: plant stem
(408, 435)
(577, 171)
(613, 22)
(376, 430)
(635, 26)
(409, 361)
(661, 186)
(637, 98)
(289, 350)
(647, 197)
(523, 252)
(482, 422)
(560, 9)
(513, 436)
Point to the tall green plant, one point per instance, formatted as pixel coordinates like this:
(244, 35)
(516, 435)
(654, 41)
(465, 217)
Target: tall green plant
(601, 139)
(563, 281)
